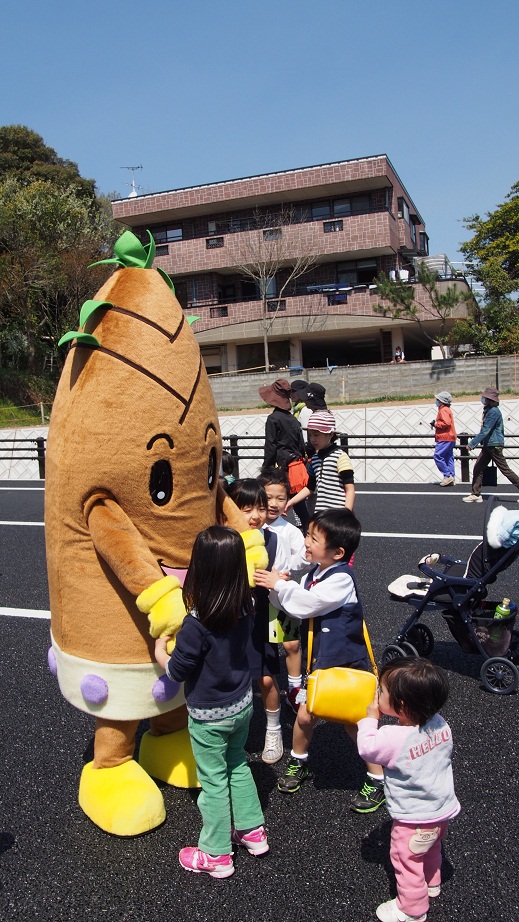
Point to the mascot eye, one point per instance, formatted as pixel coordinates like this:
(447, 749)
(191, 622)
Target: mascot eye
(211, 470)
(161, 483)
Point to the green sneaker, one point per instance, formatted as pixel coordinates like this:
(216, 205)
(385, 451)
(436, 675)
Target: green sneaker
(370, 797)
(294, 776)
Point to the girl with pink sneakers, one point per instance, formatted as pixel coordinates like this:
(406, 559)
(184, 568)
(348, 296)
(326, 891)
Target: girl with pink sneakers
(210, 657)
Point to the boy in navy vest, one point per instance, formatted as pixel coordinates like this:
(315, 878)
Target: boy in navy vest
(328, 594)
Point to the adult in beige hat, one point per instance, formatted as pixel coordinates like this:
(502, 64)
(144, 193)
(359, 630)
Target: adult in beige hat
(491, 438)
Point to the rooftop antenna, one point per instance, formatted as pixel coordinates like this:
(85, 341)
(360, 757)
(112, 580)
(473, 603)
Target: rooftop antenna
(133, 193)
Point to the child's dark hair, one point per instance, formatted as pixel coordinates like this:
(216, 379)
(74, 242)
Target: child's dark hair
(248, 492)
(216, 584)
(415, 686)
(340, 528)
(270, 476)
(228, 465)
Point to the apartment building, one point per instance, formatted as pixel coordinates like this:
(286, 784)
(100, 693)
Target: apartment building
(342, 222)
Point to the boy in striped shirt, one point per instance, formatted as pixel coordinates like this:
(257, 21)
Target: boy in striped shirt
(331, 472)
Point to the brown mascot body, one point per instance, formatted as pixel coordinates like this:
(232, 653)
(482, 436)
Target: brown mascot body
(133, 459)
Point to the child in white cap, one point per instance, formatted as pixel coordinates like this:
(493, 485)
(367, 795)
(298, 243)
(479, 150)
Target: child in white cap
(445, 436)
(331, 475)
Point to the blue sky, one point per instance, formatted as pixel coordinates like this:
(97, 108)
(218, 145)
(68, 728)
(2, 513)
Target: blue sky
(199, 91)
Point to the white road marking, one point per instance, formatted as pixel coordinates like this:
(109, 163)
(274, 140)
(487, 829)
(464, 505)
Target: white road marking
(24, 613)
(39, 524)
(387, 534)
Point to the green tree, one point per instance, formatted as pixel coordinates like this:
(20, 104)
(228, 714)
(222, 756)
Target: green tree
(492, 253)
(24, 154)
(491, 328)
(48, 236)
(405, 302)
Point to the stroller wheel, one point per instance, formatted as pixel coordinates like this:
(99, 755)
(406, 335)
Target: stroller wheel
(391, 652)
(500, 676)
(421, 637)
(408, 648)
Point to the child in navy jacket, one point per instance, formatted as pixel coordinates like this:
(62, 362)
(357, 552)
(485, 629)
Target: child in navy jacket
(210, 657)
(328, 594)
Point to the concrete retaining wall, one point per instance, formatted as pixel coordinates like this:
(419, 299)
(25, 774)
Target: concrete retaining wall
(366, 382)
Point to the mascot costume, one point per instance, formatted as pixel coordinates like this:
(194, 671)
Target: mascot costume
(133, 458)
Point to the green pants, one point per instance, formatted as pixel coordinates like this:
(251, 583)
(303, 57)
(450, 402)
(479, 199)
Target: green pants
(229, 793)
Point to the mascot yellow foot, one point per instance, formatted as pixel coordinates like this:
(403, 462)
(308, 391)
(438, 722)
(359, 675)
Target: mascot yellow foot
(122, 800)
(169, 758)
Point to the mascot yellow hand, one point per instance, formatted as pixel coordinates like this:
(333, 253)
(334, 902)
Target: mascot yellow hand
(255, 552)
(162, 602)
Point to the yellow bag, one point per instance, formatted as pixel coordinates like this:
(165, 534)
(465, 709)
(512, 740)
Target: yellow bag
(340, 694)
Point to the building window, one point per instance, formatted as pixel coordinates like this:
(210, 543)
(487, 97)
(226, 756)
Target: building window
(212, 243)
(357, 272)
(162, 250)
(166, 234)
(330, 226)
(249, 291)
(424, 243)
(412, 231)
(341, 207)
(227, 293)
(218, 312)
(272, 233)
(403, 210)
(268, 288)
(273, 306)
(321, 211)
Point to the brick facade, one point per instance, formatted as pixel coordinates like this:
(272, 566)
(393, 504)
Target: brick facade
(355, 217)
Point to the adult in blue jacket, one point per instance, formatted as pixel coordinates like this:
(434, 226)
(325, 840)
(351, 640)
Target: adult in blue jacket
(491, 438)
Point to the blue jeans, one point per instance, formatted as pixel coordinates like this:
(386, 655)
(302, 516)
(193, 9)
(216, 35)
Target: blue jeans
(444, 458)
(229, 793)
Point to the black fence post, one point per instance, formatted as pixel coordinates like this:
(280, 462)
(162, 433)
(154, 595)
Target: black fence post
(233, 448)
(464, 457)
(343, 441)
(40, 452)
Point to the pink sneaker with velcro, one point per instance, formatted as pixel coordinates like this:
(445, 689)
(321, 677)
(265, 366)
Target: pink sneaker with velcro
(254, 841)
(194, 859)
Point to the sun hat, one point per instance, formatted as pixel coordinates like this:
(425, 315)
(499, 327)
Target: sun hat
(491, 393)
(444, 397)
(315, 397)
(322, 421)
(276, 394)
(299, 389)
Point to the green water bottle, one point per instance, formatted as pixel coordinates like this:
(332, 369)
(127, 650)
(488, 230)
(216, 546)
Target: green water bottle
(503, 610)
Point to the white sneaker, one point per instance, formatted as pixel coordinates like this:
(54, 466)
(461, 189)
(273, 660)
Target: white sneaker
(472, 498)
(273, 749)
(389, 912)
(434, 891)
(447, 482)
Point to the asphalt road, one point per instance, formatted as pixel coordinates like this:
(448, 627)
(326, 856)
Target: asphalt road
(325, 863)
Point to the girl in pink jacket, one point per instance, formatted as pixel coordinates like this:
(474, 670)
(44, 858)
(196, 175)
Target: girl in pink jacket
(416, 755)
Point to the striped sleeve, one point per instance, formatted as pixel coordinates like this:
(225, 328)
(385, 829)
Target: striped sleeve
(345, 468)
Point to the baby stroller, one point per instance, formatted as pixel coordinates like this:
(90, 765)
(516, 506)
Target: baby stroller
(458, 589)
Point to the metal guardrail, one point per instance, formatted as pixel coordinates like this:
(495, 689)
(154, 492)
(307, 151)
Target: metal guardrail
(24, 450)
(250, 448)
(363, 447)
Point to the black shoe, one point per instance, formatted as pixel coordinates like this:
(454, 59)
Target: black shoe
(370, 797)
(294, 776)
